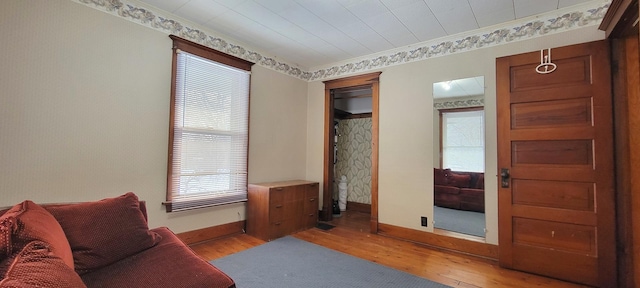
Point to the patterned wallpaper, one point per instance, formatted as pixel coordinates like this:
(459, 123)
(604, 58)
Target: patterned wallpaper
(354, 158)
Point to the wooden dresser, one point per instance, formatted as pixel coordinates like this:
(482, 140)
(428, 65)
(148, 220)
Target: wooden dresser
(277, 209)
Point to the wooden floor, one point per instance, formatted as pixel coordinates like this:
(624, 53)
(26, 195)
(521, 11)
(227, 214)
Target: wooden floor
(351, 236)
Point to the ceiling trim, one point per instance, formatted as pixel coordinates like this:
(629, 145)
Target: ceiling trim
(458, 103)
(560, 20)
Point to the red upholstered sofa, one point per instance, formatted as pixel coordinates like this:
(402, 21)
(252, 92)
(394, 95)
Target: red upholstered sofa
(105, 243)
(458, 190)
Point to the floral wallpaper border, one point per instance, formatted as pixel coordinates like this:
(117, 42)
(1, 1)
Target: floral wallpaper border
(458, 103)
(555, 22)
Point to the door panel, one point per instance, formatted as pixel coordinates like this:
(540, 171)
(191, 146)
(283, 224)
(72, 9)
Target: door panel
(551, 152)
(554, 235)
(556, 215)
(530, 258)
(570, 71)
(558, 194)
(554, 113)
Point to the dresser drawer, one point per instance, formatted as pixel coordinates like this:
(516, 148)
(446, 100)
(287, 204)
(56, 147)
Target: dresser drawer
(280, 228)
(276, 212)
(276, 195)
(310, 219)
(311, 202)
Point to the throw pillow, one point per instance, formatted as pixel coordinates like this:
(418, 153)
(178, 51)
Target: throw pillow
(440, 176)
(6, 227)
(459, 180)
(106, 231)
(26, 222)
(36, 266)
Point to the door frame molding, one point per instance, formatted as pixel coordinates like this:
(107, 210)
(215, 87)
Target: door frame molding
(372, 80)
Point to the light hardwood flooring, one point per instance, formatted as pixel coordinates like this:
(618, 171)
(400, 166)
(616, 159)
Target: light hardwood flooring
(351, 236)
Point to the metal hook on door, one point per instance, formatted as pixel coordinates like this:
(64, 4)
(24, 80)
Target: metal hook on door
(545, 66)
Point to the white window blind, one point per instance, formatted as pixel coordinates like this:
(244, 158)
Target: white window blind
(463, 140)
(210, 134)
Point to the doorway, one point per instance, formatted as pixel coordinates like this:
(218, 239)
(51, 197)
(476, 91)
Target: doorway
(368, 82)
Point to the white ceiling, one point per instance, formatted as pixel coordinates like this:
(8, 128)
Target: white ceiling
(466, 87)
(312, 33)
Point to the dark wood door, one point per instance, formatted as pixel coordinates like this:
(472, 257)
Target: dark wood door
(555, 141)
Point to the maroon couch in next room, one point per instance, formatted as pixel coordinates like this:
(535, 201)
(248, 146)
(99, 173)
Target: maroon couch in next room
(458, 190)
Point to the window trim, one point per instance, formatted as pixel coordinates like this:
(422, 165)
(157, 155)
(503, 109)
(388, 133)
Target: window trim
(207, 53)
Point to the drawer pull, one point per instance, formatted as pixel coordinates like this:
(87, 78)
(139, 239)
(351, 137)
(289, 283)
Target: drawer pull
(311, 215)
(278, 206)
(312, 199)
(277, 223)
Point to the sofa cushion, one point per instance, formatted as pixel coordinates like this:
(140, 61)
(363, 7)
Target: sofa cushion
(472, 199)
(105, 231)
(26, 222)
(37, 266)
(169, 264)
(440, 176)
(447, 200)
(439, 189)
(480, 181)
(472, 195)
(459, 180)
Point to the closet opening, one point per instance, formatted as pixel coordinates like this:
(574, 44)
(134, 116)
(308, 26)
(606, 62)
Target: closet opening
(351, 150)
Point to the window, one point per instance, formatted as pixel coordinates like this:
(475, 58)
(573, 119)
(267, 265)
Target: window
(463, 139)
(208, 140)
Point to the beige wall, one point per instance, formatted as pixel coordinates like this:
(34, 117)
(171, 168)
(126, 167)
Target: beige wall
(406, 120)
(84, 109)
(84, 113)
(315, 134)
(277, 140)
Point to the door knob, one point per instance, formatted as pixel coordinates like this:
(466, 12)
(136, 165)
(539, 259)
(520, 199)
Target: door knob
(504, 176)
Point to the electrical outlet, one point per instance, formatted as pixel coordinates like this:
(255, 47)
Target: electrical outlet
(423, 221)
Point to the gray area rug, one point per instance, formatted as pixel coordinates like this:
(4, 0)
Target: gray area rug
(466, 222)
(290, 262)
